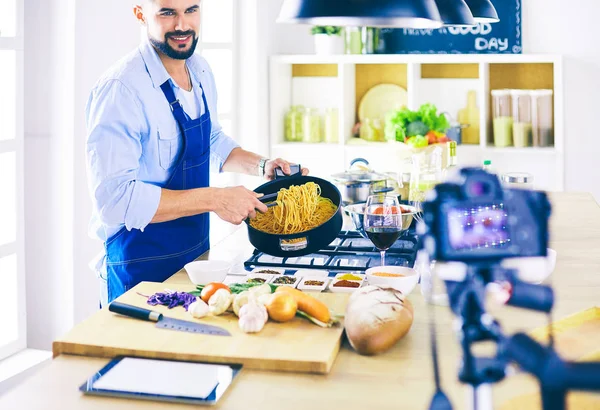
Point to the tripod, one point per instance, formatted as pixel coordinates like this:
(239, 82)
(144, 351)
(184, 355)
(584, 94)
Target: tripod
(467, 297)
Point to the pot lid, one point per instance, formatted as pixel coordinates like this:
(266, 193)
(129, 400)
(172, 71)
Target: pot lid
(358, 176)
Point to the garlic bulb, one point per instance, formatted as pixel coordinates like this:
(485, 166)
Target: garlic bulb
(198, 309)
(219, 302)
(253, 316)
(239, 301)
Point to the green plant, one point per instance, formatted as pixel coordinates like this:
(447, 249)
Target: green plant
(329, 30)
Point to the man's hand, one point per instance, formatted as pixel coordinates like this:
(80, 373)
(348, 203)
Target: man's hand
(235, 204)
(270, 167)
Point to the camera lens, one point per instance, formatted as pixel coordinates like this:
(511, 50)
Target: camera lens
(479, 188)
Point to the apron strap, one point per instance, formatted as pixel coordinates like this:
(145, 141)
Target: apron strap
(176, 107)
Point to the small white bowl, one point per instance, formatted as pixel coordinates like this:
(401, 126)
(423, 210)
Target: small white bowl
(205, 272)
(313, 288)
(291, 285)
(404, 284)
(342, 289)
(267, 277)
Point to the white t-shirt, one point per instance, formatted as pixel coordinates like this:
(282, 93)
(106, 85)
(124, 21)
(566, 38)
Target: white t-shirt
(192, 105)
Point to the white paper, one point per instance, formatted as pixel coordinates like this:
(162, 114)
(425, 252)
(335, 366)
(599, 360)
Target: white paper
(159, 377)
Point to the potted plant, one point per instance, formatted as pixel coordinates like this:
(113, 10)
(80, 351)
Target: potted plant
(328, 40)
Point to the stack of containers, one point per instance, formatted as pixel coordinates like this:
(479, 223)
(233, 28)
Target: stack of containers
(523, 118)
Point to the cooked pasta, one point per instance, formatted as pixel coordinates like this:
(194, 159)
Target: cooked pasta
(300, 208)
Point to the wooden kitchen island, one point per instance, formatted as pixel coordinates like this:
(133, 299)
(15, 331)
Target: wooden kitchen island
(399, 379)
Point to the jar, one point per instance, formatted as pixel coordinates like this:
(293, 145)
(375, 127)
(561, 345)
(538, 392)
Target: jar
(522, 126)
(542, 118)
(503, 119)
(370, 40)
(426, 173)
(294, 124)
(521, 180)
(331, 125)
(312, 126)
(371, 129)
(353, 41)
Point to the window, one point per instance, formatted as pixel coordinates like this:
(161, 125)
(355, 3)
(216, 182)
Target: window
(12, 269)
(218, 44)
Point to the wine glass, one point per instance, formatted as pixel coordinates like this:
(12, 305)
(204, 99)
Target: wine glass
(383, 222)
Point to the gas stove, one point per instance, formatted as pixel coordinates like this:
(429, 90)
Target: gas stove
(349, 252)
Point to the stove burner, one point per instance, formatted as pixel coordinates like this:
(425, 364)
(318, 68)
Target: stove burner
(348, 252)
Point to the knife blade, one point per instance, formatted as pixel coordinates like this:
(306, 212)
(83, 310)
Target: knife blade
(163, 322)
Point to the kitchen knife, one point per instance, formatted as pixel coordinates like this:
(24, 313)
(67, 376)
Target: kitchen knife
(166, 322)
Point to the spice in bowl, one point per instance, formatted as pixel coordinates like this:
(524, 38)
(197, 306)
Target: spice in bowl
(314, 283)
(388, 275)
(284, 280)
(349, 276)
(346, 284)
(268, 271)
(256, 280)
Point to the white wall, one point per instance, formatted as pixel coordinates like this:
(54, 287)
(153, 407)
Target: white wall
(68, 46)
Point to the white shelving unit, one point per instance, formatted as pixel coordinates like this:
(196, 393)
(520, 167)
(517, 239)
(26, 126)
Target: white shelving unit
(334, 84)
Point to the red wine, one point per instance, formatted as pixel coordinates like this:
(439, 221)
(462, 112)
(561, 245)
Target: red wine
(383, 238)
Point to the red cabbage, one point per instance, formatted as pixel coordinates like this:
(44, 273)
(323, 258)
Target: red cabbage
(172, 299)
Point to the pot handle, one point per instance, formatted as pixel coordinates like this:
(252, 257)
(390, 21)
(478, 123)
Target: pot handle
(294, 169)
(356, 160)
(383, 190)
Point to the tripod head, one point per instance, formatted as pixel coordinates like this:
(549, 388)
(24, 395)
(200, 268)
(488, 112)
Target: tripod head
(473, 224)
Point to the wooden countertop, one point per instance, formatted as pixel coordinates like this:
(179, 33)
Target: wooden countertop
(400, 378)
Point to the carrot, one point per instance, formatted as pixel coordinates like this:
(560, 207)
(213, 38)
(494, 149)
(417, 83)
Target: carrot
(308, 304)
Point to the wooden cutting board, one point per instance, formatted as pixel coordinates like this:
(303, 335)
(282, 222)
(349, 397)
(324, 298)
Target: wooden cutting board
(295, 346)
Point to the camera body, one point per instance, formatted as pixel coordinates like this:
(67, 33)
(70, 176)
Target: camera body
(474, 220)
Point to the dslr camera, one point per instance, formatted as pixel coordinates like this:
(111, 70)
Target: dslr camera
(474, 220)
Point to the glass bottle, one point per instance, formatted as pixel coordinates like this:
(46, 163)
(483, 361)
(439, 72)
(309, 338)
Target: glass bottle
(294, 124)
(353, 43)
(452, 161)
(503, 118)
(331, 125)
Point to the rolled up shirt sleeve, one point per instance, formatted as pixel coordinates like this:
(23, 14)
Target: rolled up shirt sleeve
(114, 149)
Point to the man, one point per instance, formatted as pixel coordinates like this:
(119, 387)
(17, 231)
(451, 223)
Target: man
(153, 137)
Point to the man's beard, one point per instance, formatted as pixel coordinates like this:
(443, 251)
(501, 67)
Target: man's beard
(166, 49)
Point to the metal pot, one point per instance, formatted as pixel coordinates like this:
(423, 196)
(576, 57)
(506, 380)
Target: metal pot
(302, 243)
(356, 186)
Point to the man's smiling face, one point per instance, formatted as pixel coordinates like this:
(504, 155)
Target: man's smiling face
(173, 26)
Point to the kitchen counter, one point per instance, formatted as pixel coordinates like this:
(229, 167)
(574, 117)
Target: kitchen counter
(400, 378)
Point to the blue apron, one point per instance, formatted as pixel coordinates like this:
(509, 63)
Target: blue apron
(164, 248)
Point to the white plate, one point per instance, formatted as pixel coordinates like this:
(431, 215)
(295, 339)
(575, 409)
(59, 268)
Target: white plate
(311, 272)
(280, 271)
(231, 279)
(267, 278)
(308, 288)
(380, 100)
(334, 289)
(291, 285)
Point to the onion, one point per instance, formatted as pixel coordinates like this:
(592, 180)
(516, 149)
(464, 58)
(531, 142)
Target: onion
(281, 307)
(376, 319)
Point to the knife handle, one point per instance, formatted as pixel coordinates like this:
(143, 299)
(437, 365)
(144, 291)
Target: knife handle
(135, 312)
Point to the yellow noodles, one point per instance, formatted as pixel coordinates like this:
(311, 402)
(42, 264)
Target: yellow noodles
(299, 209)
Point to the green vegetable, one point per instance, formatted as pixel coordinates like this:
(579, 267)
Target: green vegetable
(235, 288)
(418, 142)
(404, 123)
(416, 128)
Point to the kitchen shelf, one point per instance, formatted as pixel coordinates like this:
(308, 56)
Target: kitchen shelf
(340, 81)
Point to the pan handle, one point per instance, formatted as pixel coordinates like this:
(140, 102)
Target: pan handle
(294, 168)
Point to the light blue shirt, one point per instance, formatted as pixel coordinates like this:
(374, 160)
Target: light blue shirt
(134, 140)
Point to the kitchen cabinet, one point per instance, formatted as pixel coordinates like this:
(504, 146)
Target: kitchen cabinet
(341, 81)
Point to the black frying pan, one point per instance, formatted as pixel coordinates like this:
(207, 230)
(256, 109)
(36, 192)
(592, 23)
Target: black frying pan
(304, 243)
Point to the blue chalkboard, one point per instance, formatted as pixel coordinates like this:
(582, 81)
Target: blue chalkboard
(503, 37)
